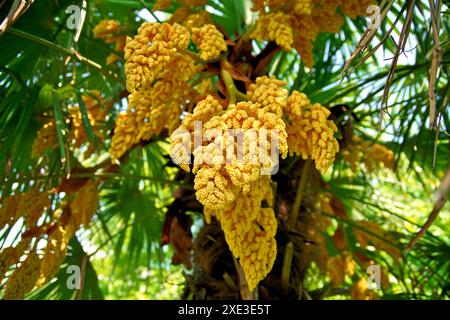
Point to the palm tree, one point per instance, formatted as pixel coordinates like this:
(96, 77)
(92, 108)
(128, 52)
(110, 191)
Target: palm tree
(130, 223)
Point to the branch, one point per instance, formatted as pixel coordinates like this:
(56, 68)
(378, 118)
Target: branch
(246, 294)
(300, 190)
(286, 269)
(442, 199)
(229, 83)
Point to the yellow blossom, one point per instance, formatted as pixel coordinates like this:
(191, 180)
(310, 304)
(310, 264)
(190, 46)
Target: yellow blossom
(11, 255)
(193, 3)
(269, 92)
(54, 255)
(354, 8)
(151, 50)
(125, 134)
(311, 134)
(161, 5)
(258, 5)
(259, 248)
(376, 154)
(84, 205)
(361, 291)
(274, 27)
(196, 20)
(112, 58)
(46, 139)
(209, 40)
(213, 187)
(107, 30)
(302, 6)
(23, 278)
(180, 15)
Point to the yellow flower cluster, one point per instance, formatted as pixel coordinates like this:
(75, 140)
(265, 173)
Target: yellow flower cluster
(203, 112)
(233, 189)
(360, 291)
(274, 27)
(375, 155)
(11, 255)
(310, 133)
(340, 266)
(159, 73)
(302, 6)
(377, 237)
(150, 52)
(23, 279)
(354, 8)
(54, 255)
(193, 3)
(124, 134)
(196, 20)
(297, 23)
(240, 173)
(259, 249)
(161, 5)
(46, 139)
(29, 205)
(209, 40)
(84, 205)
(107, 30)
(150, 111)
(37, 269)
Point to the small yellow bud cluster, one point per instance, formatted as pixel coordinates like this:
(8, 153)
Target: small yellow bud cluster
(11, 255)
(310, 133)
(274, 27)
(375, 155)
(109, 31)
(377, 237)
(259, 248)
(161, 5)
(302, 7)
(196, 20)
(150, 51)
(23, 279)
(84, 205)
(124, 134)
(340, 266)
(269, 92)
(297, 23)
(203, 112)
(46, 139)
(360, 291)
(37, 269)
(54, 254)
(209, 40)
(354, 8)
(193, 3)
(29, 205)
